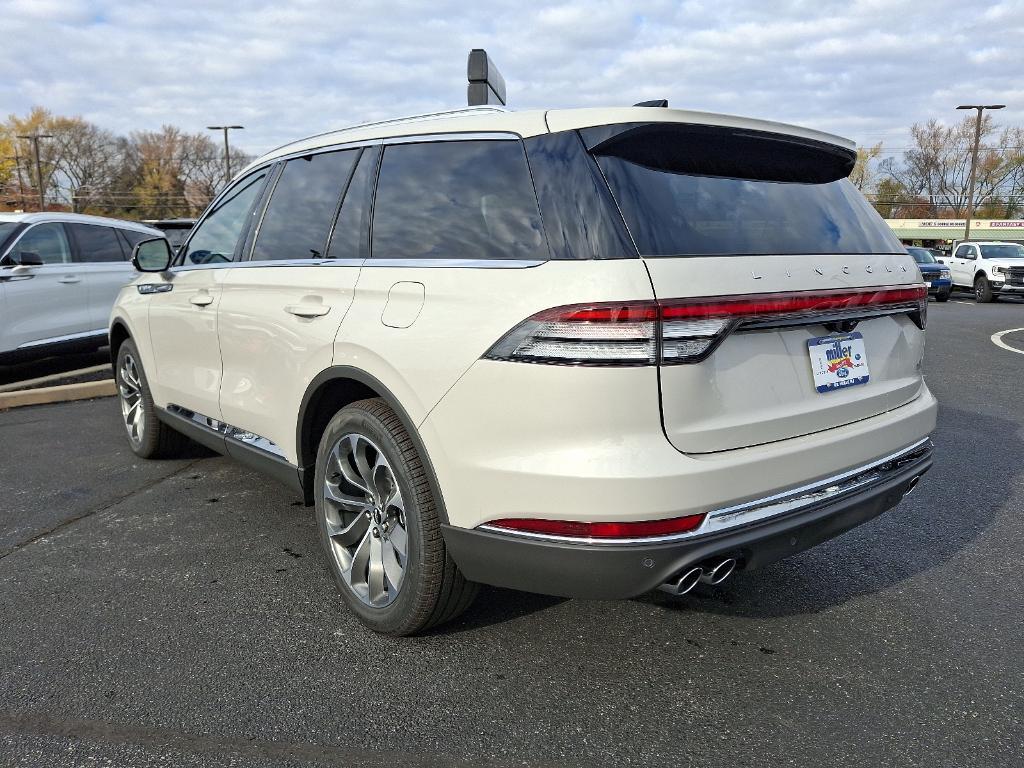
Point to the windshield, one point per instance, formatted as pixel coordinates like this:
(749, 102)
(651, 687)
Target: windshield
(921, 256)
(1004, 251)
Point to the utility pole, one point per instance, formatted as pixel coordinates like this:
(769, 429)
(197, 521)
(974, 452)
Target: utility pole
(227, 151)
(974, 159)
(34, 138)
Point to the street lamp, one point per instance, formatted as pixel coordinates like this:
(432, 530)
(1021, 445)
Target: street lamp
(974, 159)
(227, 152)
(34, 138)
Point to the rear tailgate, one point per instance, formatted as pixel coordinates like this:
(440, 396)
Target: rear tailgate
(769, 226)
(757, 385)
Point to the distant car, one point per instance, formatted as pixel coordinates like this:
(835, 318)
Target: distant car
(991, 268)
(936, 275)
(59, 276)
(175, 230)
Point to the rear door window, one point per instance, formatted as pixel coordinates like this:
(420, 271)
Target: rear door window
(96, 243)
(303, 206)
(456, 200)
(351, 236)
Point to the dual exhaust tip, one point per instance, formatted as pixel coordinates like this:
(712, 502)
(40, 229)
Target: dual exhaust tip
(709, 572)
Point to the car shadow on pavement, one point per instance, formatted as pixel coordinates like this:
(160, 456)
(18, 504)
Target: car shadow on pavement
(977, 461)
(496, 606)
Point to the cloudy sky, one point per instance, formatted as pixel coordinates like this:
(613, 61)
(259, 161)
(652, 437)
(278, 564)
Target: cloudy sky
(866, 69)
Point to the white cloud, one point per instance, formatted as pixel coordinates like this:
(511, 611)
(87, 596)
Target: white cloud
(866, 69)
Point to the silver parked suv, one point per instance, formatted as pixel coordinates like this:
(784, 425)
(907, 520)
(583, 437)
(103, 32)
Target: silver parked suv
(59, 276)
(585, 352)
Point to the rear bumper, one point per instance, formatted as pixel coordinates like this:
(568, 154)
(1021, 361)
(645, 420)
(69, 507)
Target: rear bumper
(601, 571)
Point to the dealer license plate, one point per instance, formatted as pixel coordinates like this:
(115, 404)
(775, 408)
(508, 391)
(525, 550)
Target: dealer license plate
(838, 361)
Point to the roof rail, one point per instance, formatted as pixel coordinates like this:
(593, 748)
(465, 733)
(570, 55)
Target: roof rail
(398, 121)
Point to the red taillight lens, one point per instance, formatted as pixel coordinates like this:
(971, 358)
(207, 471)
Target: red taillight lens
(580, 530)
(682, 330)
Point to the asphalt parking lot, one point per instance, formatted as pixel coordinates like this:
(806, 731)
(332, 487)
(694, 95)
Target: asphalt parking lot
(180, 613)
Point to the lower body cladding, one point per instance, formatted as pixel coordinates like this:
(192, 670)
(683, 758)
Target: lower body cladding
(747, 536)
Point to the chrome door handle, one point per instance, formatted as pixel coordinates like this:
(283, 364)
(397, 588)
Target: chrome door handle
(70, 279)
(308, 309)
(202, 300)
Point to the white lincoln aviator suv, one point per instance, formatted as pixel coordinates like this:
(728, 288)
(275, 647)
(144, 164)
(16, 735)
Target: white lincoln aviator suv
(586, 352)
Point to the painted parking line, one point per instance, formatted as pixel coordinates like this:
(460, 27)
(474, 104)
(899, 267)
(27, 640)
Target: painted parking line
(965, 303)
(997, 339)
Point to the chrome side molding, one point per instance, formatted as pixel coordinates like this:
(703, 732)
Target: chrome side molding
(229, 431)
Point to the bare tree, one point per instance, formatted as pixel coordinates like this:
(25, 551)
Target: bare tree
(863, 174)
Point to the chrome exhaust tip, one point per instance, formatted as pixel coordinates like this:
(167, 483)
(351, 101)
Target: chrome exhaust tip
(912, 485)
(686, 581)
(719, 572)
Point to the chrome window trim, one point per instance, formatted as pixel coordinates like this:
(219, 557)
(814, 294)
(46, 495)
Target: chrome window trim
(725, 518)
(456, 263)
(66, 337)
(229, 431)
(406, 263)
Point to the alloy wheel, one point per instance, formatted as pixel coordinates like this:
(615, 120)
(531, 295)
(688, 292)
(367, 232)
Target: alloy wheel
(130, 391)
(365, 515)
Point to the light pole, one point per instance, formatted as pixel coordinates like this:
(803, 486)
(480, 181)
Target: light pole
(34, 138)
(974, 159)
(227, 152)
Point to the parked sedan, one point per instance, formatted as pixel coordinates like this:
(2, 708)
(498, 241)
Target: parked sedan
(936, 275)
(59, 276)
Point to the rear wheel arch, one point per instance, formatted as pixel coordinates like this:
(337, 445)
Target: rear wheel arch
(330, 391)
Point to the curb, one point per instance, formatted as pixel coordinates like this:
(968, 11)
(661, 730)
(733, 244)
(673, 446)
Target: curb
(19, 385)
(59, 394)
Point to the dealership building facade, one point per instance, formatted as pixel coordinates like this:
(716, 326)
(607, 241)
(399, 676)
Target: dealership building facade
(940, 233)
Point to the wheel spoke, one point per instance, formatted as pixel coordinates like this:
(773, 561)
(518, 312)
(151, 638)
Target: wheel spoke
(392, 568)
(359, 447)
(333, 492)
(360, 560)
(400, 541)
(345, 467)
(375, 574)
(349, 534)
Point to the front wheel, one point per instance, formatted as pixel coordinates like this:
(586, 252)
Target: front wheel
(379, 524)
(148, 437)
(982, 290)
(943, 295)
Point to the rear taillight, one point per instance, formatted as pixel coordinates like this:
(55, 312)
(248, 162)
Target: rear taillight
(582, 530)
(679, 331)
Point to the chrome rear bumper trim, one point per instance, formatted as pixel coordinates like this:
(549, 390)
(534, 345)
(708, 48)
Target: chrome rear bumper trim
(735, 516)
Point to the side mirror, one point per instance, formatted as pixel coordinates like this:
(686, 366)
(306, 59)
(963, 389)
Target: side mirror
(152, 255)
(29, 259)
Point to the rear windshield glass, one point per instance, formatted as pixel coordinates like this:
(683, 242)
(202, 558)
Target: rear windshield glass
(704, 191)
(678, 214)
(1003, 251)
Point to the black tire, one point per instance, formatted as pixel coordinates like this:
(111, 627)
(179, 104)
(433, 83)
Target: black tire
(155, 440)
(943, 295)
(982, 290)
(431, 590)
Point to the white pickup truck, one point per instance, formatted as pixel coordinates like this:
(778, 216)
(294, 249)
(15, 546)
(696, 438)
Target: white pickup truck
(989, 268)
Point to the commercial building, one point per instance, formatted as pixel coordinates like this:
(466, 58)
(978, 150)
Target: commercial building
(940, 233)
